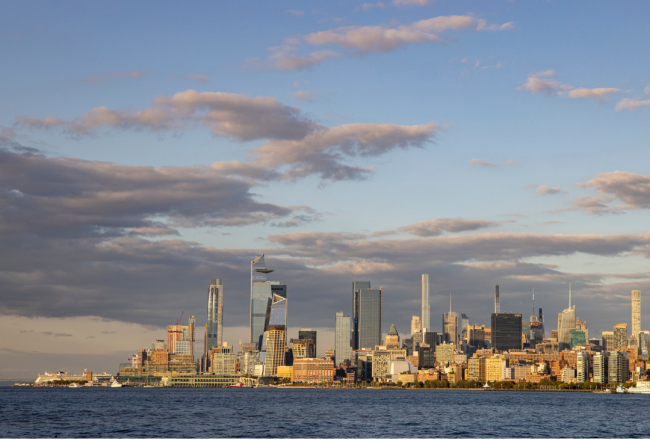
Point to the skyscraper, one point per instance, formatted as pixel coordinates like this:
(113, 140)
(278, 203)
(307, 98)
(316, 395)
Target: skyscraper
(608, 341)
(304, 334)
(416, 326)
(450, 326)
(464, 324)
(497, 301)
(342, 348)
(636, 313)
(426, 316)
(392, 338)
(276, 335)
(214, 335)
(261, 299)
(620, 337)
(191, 325)
(368, 315)
(566, 320)
(356, 287)
(506, 331)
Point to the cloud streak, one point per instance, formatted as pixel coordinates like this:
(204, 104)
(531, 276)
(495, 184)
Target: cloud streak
(541, 82)
(100, 78)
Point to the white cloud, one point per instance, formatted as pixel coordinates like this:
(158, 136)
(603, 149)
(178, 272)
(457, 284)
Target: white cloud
(412, 2)
(296, 12)
(631, 104)
(540, 83)
(483, 163)
(305, 95)
(199, 78)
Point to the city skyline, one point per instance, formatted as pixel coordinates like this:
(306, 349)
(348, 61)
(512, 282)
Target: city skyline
(146, 150)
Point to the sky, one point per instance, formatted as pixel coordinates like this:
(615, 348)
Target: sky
(148, 147)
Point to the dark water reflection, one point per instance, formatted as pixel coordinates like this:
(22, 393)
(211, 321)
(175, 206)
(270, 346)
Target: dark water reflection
(310, 413)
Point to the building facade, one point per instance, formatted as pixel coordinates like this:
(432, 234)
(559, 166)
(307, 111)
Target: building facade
(309, 334)
(416, 325)
(426, 312)
(620, 337)
(313, 370)
(214, 333)
(636, 313)
(342, 347)
(601, 367)
(368, 316)
(506, 331)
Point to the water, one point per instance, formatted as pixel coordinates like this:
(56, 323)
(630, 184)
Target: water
(308, 413)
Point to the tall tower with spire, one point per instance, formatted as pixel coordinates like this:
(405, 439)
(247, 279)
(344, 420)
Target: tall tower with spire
(450, 326)
(566, 321)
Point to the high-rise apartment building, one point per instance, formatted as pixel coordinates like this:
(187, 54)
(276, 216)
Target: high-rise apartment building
(619, 367)
(636, 313)
(566, 321)
(214, 336)
(620, 337)
(426, 312)
(356, 287)
(305, 334)
(262, 292)
(368, 315)
(416, 325)
(506, 331)
(608, 343)
(601, 367)
(343, 350)
(582, 367)
(174, 334)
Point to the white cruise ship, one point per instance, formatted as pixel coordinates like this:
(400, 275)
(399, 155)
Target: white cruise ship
(642, 387)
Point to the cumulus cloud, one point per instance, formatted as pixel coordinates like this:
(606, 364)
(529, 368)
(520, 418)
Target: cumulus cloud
(483, 163)
(617, 192)
(100, 78)
(305, 95)
(296, 12)
(360, 40)
(541, 83)
(631, 104)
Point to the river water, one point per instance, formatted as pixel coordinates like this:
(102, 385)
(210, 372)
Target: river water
(314, 413)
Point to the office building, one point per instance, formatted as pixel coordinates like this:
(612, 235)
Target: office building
(313, 370)
(276, 335)
(175, 334)
(476, 336)
(445, 353)
(636, 313)
(416, 325)
(619, 367)
(248, 358)
(368, 315)
(214, 336)
(430, 338)
(330, 354)
(304, 334)
(392, 338)
(582, 367)
(566, 321)
(450, 329)
(426, 317)
(356, 287)
(608, 341)
(582, 326)
(343, 350)
(506, 331)
(601, 367)
(222, 360)
(464, 323)
(303, 348)
(262, 292)
(476, 368)
(620, 337)
(577, 338)
(380, 364)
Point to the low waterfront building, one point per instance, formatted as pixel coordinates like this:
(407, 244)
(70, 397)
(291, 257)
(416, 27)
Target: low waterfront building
(407, 377)
(495, 368)
(313, 370)
(380, 364)
(285, 372)
(198, 380)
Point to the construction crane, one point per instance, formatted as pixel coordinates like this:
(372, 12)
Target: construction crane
(179, 320)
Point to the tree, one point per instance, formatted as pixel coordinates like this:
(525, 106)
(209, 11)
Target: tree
(399, 384)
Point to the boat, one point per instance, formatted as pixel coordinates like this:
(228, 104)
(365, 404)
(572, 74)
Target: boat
(115, 383)
(620, 390)
(241, 386)
(642, 387)
(74, 385)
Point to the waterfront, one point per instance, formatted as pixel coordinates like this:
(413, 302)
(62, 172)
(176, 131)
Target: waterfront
(313, 413)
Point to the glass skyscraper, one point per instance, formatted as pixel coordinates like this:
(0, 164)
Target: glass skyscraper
(356, 287)
(426, 312)
(214, 333)
(305, 334)
(261, 299)
(369, 317)
(506, 331)
(342, 348)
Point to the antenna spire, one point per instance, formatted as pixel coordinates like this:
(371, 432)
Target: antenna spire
(533, 300)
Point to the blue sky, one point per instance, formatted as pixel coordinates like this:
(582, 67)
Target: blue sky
(501, 126)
